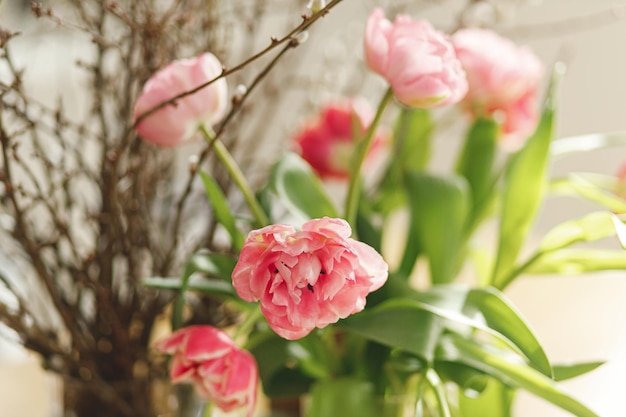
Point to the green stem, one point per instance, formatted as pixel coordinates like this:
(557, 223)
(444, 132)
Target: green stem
(419, 403)
(243, 329)
(179, 303)
(433, 379)
(237, 176)
(208, 409)
(518, 271)
(352, 200)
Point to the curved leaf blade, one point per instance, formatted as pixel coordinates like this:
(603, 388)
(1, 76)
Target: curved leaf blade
(299, 189)
(211, 264)
(403, 326)
(495, 400)
(564, 372)
(439, 391)
(346, 397)
(502, 317)
(513, 373)
(578, 261)
(221, 209)
(439, 208)
(415, 326)
(592, 227)
(525, 181)
(208, 286)
(591, 187)
(476, 165)
(411, 151)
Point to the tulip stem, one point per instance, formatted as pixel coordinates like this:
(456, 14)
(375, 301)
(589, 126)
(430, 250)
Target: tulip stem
(208, 409)
(244, 328)
(237, 176)
(352, 199)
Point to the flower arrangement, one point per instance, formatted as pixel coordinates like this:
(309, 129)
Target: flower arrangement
(321, 297)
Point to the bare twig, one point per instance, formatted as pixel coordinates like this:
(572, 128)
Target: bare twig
(306, 22)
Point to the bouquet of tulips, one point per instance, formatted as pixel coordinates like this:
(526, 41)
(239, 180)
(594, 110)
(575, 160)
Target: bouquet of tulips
(337, 300)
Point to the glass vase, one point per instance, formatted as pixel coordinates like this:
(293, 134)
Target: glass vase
(350, 397)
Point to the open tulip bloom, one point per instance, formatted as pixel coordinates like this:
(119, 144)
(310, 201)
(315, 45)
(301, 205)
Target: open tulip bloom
(321, 310)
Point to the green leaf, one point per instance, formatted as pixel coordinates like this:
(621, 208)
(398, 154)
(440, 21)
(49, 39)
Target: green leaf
(525, 180)
(502, 317)
(412, 136)
(439, 208)
(367, 229)
(587, 143)
(476, 164)
(481, 258)
(620, 229)
(209, 286)
(592, 187)
(464, 376)
(312, 356)
(519, 339)
(578, 261)
(222, 210)
(393, 323)
(439, 391)
(454, 307)
(299, 189)
(495, 400)
(398, 325)
(411, 151)
(563, 372)
(343, 397)
(592, 227)
(278, 369)
(589, 228)
(502, 366)
(211, 264)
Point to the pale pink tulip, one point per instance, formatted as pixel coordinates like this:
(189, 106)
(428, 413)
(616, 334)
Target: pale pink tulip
(220, 371)
(178, 122)
(503, 81)
(328, 142)
(418, 61)
(309, 278)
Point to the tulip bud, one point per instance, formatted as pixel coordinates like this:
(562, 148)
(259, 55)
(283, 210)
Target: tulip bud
(328, 141)
(177, 122)
(503, 81)
(418, 61)
(219, 370)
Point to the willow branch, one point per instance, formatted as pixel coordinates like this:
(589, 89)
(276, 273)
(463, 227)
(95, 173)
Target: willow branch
(32, 248)
(237, 105)
(306, 22)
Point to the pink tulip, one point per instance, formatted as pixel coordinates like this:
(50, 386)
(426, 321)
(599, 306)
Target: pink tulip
(503, 81)
(328, 142)
(220, 371)
(307, 279)
(418, 61)
(178, 122)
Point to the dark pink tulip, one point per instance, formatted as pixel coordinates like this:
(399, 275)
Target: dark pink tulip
(328, 142)
(220, 371)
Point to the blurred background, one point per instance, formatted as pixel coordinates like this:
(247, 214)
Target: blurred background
(578, 318)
